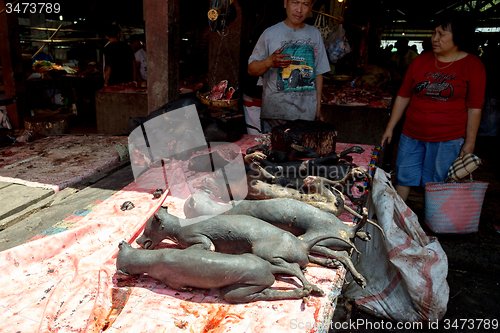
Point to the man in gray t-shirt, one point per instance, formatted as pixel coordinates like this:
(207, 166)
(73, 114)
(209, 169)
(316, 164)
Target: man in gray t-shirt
(291, 58)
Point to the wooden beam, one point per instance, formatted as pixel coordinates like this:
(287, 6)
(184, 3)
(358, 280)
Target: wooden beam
(12, 67)
(162, 42)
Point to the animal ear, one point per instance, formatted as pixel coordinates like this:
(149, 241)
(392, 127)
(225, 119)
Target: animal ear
(165, 208)
(156, 218)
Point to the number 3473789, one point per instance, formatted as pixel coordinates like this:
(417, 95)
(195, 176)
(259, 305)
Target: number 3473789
(33, 7)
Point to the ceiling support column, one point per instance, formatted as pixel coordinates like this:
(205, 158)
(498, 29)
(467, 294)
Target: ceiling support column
(162, 40)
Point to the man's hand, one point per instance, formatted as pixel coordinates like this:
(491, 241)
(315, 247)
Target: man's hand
(278, 59)
(319, 115)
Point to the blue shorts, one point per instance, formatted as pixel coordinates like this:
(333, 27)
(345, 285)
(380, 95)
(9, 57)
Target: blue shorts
(421, 162)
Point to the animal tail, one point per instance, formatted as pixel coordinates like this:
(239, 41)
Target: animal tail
(310, 243)
(363, 221)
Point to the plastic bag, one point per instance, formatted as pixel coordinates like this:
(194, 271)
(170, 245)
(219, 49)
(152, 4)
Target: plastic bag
(406, 270)
(337, 45)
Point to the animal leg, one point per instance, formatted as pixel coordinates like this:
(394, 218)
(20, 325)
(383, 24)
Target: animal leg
(309, 153)
(253, 157)
(363, 235)
(258, 159)
(204, 244)
(244, 294)
(262, 147)
(328, 262)
(353, 149)
(344, 259)
(356, 214)
(344, 185)
(295, 270)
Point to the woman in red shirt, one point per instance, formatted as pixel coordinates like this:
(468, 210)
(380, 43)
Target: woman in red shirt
(442, 94)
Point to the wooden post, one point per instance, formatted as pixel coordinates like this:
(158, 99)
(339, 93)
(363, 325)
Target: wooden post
(12, 66)
(162, 40)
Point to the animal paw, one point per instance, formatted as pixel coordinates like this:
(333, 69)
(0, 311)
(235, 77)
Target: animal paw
(317, 291)
(364, 236)
(357, 149)
(304, 292)
(361, 281)
(332, 263)
(255, 156)
(120, 272)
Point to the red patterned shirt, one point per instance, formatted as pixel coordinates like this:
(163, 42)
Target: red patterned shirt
(440, 97)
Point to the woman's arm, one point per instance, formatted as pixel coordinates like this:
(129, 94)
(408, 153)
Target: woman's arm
(398, 109)
(473, 121)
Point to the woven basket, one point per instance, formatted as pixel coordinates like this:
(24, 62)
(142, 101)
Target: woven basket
(454, 208)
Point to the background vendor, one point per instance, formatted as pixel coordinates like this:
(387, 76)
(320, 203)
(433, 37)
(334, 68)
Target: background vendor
(119, 59)
(291, 58)
(138, 44)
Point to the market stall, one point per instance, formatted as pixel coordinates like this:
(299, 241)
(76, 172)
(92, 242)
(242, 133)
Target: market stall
(69, 95)
(77, 286)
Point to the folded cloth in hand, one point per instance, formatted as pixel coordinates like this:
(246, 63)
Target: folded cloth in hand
(463, 166)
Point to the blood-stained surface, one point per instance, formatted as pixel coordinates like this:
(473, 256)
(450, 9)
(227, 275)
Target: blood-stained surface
(59, 162)
(67, 282)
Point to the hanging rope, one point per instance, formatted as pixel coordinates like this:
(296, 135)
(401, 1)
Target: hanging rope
(233, 68)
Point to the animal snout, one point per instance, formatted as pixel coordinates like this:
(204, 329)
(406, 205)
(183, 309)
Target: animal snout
(147, 244)
(144, 242)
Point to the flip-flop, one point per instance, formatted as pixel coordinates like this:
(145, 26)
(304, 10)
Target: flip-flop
(492, 228)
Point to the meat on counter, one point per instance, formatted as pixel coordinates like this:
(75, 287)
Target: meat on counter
(355, 96)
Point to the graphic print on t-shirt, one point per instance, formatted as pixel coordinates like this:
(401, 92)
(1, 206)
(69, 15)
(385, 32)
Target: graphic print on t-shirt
(301, 74)
(436, 86)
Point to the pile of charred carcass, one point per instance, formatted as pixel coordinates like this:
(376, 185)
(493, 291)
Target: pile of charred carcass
(289, 216)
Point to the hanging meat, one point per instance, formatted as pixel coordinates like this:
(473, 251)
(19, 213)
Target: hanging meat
(218, 91)
(229, 95)
(221, 92)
